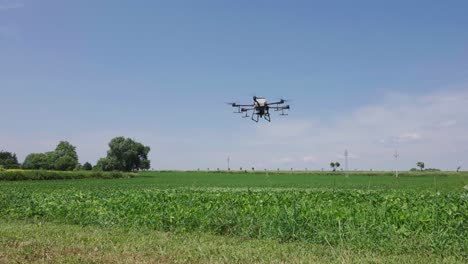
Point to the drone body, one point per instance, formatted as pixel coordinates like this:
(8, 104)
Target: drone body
(261, 108)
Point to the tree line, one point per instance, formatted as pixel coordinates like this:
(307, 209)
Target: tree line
(124, 154)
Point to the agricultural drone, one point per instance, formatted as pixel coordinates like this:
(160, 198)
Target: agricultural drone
(261, 108)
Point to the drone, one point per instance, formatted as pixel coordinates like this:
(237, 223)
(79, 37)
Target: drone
(261, 108)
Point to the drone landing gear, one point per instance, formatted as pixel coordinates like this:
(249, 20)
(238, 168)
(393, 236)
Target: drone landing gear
(267, 117)
(255, 119)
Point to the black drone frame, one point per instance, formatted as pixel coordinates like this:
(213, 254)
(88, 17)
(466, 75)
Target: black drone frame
(261, 111)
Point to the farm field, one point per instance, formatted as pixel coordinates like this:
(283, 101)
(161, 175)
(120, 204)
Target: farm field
(427, 181)
(25, 242)
(299, 216)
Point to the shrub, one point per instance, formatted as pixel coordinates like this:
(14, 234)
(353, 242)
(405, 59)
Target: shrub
(19, 175)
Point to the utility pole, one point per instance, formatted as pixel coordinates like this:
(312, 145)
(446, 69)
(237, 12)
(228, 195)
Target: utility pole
(396, 155)
(228, 163)
(346, 163)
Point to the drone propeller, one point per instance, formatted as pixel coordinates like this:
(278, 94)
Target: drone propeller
(282, 101)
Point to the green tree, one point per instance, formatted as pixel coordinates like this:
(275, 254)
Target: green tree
(8, 160)
(332, 165)
(125, 154)
(87, 166)
(106, 164)
(66, 158)
(65, 163)
(36, 161)
(337, 164)
(64, 148)
(420, 164)
(63, 158)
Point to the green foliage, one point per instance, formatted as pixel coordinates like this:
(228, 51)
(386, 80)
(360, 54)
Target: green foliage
(8, 160)
(19, 175)
(65, 163)
(64, 148)
(65, 243)
(106, 164)
(125, 154)
(368, 210)
(64, 158)
(87, 166)
(335, 165)
(38, 161)
(421, 165)
(377, 220)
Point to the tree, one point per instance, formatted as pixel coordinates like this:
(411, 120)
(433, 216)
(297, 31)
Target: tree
(66, 158)
(63, 158)
(420, 164)
(8, 160)
(458, 168)
(106, 164)
(65, 163)
(337, 164)
(332, 165)
(87, 166)
(125, 154)
(36, 161)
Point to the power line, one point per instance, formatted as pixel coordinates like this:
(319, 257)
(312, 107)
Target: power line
(396, 155)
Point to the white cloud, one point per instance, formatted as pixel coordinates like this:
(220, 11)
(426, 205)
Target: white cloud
(282, 161)
(423, 127)
(310, 158)
(403, 138)
(350, 156)
(431, 128)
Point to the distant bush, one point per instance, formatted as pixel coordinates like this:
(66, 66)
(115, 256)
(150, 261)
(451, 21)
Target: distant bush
(20, 175)
(8, 160)
(87, 166)
(428, 169)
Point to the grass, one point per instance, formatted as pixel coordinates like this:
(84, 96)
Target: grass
(36, 242)
(24, 175)
(219, 217)
(377, 220)
(300, 180)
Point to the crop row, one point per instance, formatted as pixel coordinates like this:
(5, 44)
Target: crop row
(378, 220)
(19, 175)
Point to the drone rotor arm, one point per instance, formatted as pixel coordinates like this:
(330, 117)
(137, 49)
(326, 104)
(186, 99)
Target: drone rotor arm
(280, 108)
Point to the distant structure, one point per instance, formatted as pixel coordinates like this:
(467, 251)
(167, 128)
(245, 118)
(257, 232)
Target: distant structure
(228, 163)
(396, 155)
(346, 162)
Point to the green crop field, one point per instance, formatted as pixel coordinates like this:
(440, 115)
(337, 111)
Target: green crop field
(312, 216)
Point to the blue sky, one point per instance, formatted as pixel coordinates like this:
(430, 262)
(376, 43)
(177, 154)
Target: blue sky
(370, 76)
